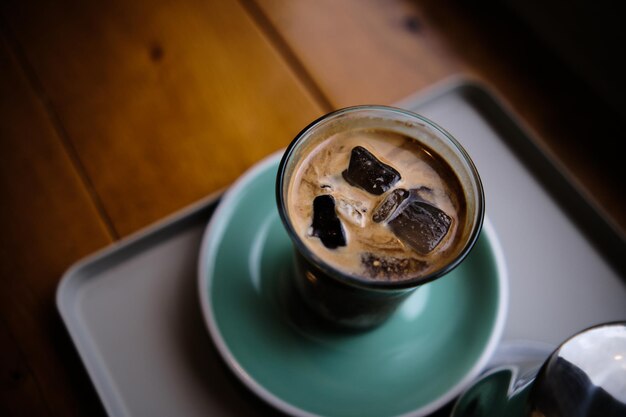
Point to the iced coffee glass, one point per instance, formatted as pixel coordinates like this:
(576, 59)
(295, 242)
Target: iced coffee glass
(377, 201)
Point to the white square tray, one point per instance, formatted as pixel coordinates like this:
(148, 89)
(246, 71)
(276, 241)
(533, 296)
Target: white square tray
(132, 309)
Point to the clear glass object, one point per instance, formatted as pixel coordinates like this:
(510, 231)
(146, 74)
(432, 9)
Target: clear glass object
(350, 300)
(583, 377)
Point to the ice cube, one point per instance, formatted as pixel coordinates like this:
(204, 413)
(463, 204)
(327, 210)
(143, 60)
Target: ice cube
(367, 172)
(326, 225)
(384, 243)
(390, 267)
(420, 225)
(421, 191)
(352, 211)
(389, 205)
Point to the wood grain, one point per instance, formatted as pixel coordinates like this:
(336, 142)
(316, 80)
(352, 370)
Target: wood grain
(163, 101)
(48, 221)
(361, 52)
(380, 51)
(570, 121)
(18, 386)
(115, 114)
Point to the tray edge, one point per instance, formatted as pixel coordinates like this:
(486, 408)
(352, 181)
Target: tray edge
(558, 181)
(66, 288)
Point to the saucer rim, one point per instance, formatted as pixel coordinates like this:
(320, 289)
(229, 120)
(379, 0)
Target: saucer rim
(205, 263)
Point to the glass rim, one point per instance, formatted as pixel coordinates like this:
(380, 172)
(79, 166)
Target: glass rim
(367, 282)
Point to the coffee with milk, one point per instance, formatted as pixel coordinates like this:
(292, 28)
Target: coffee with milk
(377, 204)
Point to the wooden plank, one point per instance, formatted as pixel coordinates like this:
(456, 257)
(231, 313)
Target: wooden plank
(48, 221)
(361, 51)
(163, 101)
(571, 121)
(18, 386)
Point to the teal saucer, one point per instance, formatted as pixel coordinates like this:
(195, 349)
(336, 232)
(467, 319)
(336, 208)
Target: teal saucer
(422, 358)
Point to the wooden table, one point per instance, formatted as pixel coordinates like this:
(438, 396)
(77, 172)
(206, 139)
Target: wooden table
(115, 114)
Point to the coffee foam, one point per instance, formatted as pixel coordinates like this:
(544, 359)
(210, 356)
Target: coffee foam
(319, 172)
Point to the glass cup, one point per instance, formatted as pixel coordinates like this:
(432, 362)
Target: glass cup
(583, 377)
(353, 301)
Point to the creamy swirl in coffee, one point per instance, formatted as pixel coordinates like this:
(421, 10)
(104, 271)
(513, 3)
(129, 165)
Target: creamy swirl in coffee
(377, 204)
